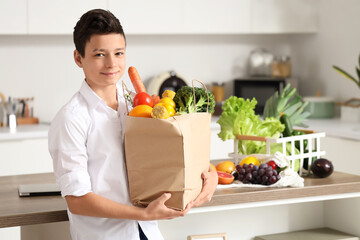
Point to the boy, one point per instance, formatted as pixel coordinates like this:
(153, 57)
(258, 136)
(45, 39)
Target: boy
(86, 143)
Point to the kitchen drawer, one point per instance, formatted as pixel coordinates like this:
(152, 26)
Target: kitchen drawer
(314, 234)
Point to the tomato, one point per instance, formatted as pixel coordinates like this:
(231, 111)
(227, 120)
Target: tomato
(272, 164)
(142, 98)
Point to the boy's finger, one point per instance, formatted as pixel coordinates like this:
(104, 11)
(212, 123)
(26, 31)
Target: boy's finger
(164, 197)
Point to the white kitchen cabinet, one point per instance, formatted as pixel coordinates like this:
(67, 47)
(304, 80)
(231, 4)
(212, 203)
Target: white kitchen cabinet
(163, 17)
(283, 16)
(13, 17)
(25, 157)
(58, 17)
(183, 17)
(217, 17)
(23, 152)
(343, 153)
(149, 17)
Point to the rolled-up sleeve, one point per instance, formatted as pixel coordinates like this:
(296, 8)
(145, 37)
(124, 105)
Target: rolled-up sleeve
(67, 147)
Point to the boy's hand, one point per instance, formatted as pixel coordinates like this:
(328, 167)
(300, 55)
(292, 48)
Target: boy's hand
(209, 186)
(157, 210)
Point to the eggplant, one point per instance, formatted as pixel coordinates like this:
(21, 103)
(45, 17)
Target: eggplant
(322, 168)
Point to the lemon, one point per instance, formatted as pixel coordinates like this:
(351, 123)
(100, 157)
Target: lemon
(250, 159)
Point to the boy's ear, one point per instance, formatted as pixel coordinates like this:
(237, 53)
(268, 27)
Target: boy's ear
(77, 58)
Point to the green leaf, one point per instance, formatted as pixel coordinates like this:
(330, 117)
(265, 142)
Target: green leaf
(292, 109)
(284, 100)
(358, 73)
(345, 74)
(295, 99)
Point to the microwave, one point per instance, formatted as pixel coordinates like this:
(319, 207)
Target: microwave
(260, 88)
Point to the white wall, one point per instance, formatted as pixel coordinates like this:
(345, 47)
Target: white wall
(42, 66)
(336, 43)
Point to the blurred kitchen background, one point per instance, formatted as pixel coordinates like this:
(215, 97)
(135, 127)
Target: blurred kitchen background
(207, 40)
(210, 40)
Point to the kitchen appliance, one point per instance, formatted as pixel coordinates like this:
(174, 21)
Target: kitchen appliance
(259, 62)
(320, 107)
(260, 88)
(169, 80)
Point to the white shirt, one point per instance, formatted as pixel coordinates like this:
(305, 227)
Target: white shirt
(86, 142)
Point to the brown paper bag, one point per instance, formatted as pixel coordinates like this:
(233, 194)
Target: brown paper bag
(167, 156)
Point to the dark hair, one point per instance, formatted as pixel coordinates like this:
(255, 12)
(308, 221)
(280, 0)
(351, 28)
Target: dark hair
(96, 21)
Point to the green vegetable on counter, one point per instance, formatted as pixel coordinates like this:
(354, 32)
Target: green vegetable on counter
(287, 102)
(238, 117)
(288, 131)
(184, 100)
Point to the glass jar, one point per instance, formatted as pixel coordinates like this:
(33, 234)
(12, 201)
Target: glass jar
(281, 67)
(218, 91)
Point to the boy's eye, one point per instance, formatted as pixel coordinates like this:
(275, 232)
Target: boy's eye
(119, 53)
(99, 55)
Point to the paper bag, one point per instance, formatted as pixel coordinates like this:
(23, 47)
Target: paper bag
(167, 156)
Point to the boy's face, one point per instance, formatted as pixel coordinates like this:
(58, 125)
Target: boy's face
(104, 60)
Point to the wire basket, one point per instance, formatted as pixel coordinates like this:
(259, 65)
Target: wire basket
(313, 147)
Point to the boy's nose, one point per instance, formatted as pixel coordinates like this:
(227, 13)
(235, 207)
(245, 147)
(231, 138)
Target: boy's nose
(110, 61)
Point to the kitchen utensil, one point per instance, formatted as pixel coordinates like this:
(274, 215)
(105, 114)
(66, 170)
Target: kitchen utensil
(259, 63)
(320, 107)
(169, 80)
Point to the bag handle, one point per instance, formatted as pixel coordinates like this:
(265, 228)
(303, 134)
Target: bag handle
(207, 93)
(125, 97)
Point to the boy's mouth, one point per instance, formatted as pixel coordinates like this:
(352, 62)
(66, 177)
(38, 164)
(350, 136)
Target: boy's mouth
(110, 74)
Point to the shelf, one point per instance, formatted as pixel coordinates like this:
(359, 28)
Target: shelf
(22, 132)
(19, 211)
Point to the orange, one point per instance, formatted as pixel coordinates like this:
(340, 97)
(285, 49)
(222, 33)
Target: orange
(250, 159)
(212, 165)
(225, 178)
(141, 111)
(225, 166)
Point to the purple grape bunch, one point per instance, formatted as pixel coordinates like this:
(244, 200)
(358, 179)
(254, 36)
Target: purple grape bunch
(263, 174)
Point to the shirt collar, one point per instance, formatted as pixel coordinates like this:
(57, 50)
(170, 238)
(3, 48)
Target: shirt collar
(90, 96)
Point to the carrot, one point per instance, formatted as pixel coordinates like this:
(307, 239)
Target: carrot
(136, 80)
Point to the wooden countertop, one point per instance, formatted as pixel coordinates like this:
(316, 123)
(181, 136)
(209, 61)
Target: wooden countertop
(19, 211)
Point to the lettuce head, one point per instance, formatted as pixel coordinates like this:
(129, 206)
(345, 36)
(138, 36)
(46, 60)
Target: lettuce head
(238, 117)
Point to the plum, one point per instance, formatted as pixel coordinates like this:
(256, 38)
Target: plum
(322, 168)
